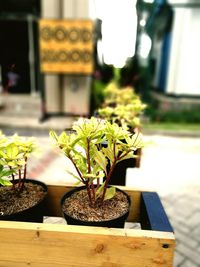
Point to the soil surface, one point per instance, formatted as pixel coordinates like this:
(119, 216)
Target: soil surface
(78, 207)
(12, 202)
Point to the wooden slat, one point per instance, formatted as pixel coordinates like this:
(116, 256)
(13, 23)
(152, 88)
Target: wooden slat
(42, 245)
(55, 192)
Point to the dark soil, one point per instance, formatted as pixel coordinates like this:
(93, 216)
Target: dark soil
(13, 202)
(78, 207)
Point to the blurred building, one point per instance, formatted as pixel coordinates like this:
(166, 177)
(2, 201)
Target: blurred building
(175, 47)
(20, 58)
(163, 35)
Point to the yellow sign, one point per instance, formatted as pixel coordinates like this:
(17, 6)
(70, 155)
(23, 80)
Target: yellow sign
(66, 46)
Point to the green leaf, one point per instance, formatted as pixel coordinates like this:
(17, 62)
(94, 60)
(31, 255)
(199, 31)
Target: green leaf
(100, 190)
(3, 154)
(108, 152)
(77, 183)
(2, 162)
(5, 173)
(53, 135)
(5, 182)
(75, 176)
(12, 152)
(110, 192)
(129, 156)
(101, 160)
(21, 162)
(12, 164)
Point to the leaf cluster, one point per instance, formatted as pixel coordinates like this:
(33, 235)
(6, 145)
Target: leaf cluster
(14, 153)
(95, 147)
(122, 105)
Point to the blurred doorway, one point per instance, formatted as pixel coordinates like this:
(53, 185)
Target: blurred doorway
(19, 56)
(14, 56)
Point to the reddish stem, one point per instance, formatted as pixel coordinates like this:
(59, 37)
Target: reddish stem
(20, 178)
(89, 193)
(79, 173)
(13, 179)
(107, 180)
(93, 192)
(24, 176)
(88, 155)
(91, 188)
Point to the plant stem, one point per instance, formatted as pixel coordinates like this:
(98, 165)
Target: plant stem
(114, 149)
(24, 176)
(107, 180)
(88, 155)
(89, 193)
(92, 189)
(82, 179)
(93, 192)
(98, 183)
(13, 179)
(19, 175)
(79, 173)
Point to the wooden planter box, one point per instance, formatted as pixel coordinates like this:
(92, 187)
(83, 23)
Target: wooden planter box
(53, 245)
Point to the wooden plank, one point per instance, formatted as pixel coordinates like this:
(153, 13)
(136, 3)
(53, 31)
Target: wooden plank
(55, 193)
(42, 245)
(153, 216)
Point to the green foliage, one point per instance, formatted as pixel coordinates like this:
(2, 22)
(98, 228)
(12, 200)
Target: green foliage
(122, 105)
(181, 116)
(4, 174)
(95, 145)
(14, 152)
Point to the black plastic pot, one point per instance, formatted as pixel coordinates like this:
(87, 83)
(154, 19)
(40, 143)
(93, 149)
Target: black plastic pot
(114, 223)
(118, 176)
(32, 214)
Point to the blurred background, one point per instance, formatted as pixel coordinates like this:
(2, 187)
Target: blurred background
(152, 45)
(58, 56)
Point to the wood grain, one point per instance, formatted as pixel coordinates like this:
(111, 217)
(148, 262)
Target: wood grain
(58, 245)
(52, 245)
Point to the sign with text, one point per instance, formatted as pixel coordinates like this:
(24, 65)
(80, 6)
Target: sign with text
(66, 46)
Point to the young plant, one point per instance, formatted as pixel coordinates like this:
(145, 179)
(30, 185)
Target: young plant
(122, 106)
(14, 153)
(95, 148)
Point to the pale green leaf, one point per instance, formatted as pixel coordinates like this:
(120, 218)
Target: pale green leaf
(128, 156)
(3, 154)
(74, 175)
(5, 173)
(108, 152)
(53, 135)
(101, 160)
(12, 152)
(5, 182)
(77, 183)
(100, 189)
(110, 192)
(12, 164)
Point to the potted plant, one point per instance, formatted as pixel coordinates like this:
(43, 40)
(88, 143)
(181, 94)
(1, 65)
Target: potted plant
(96, 203)
(21, 199)
(124, 107)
